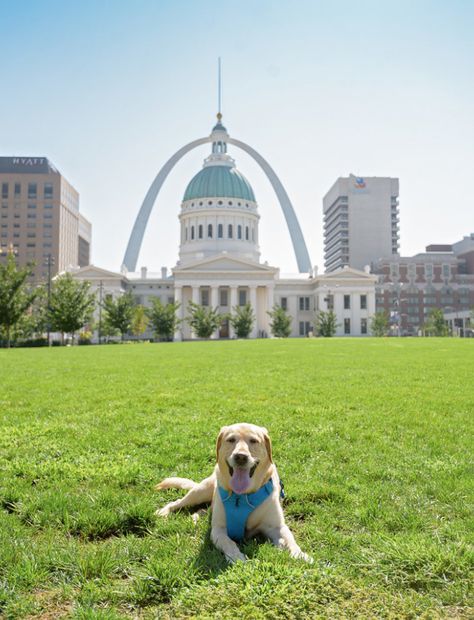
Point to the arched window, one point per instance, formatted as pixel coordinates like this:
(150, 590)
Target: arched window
(209, 231)
(220, 231)
(230, 231)
(246, 233)
(192, 232)
(239, 232)
(200, 231)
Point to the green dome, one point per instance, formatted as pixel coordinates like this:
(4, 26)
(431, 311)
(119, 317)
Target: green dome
(219, 181)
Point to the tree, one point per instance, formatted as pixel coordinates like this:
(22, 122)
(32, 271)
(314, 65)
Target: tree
(280, 324)
(139, 321)
(242, 321)
(379, 324)
(436, 324)
(119, 312)
(326, 323)
(163, 318)
(71, 305)
(203, 321)
(15, 298)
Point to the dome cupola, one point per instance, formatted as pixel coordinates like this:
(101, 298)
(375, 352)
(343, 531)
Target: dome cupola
(219, 211)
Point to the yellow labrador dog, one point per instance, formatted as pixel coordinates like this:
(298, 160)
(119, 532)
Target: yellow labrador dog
(244, 490)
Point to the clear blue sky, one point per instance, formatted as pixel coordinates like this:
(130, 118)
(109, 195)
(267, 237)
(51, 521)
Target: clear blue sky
(109, 90)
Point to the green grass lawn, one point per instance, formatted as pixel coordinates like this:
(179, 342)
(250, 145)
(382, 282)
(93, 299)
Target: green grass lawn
(373, 439)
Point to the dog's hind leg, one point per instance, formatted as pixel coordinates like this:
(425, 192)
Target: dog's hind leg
(200, 493)
(176, 483)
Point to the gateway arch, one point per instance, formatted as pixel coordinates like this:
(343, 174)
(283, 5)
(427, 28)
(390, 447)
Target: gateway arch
(138, 231)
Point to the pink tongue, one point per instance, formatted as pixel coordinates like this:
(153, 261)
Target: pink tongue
(240, 480)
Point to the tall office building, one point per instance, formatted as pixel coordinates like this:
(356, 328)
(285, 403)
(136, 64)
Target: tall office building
(39, 216)
(361, 221)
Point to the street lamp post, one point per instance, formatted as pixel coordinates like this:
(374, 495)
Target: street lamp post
(49, 262)
(101, 288)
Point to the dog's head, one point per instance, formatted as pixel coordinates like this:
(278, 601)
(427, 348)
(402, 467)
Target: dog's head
(244, 456)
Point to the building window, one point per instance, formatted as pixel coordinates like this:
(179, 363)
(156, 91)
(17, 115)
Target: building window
(304, 328)
(284, 303)
(49, 216)
(446, 271)
(242, 298)
(209, 231)
(192, 232)
(205, 297)
(246, 233)
(31, 206)
(48, 191)
(394, 270)
(4, 190)
(411, 270)
(200, 231)
(347, 302)
(304, 303)
(220, 231)
(30, 216)
(429, 270)
(239, 232)
(363, 302)
(347, 326)
(329, 299)
(48, 206)
(230, 231)
(363, 326)
(223, 298)
(17, 190)
(32, 190)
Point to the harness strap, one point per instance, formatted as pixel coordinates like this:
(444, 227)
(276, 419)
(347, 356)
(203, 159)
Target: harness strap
(238, 508)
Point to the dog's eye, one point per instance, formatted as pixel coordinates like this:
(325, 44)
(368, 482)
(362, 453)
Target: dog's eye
(231, 440)
(253, 440)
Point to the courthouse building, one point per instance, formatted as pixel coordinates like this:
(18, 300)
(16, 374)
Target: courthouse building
(219, 260)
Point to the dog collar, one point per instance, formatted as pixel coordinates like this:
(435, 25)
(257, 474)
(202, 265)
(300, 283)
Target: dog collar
(238, 507)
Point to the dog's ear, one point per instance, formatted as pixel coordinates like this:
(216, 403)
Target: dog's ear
(219, 441)
(268, 443)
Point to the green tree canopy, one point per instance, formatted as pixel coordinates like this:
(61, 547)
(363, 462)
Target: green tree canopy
(379, 324)
(280, 323)
(326, 323)
(139, 321)
(436, 324)
(163, 318)
(119, 312)
(71, 305)
(203, 321)
(15, 295)
(242, 321)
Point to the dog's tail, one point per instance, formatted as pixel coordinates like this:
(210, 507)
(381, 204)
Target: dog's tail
(176, 483)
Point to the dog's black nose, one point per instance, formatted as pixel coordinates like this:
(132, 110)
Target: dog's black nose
(240, 458)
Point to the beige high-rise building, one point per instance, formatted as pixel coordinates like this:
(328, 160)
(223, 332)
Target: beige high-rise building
(361, 221)
(39, 216)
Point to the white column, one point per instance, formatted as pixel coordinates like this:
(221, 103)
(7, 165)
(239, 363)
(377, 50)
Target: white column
(178, 299)
(195, 299)
(253, 303)
(270, 302)
(232, 304)
(214, 303)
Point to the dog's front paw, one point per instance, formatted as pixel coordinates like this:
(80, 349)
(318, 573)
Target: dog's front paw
(236, 557)
(301, 555)
(164, 512)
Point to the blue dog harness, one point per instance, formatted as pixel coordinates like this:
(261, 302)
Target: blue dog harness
(238, 508)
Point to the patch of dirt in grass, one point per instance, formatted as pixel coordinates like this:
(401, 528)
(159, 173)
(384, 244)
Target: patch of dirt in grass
(51, 605)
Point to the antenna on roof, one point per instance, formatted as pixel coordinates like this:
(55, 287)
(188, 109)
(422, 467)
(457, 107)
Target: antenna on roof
(219, 90)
